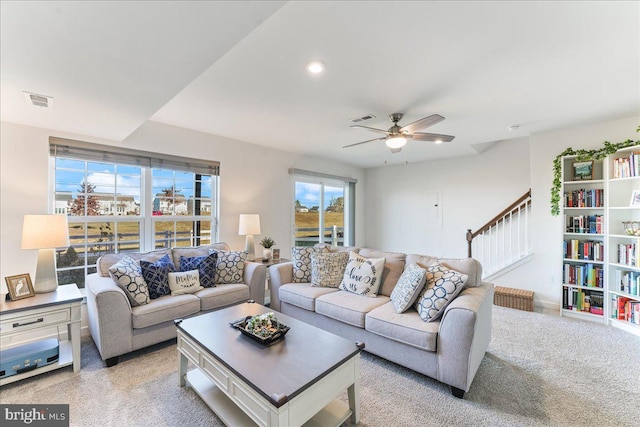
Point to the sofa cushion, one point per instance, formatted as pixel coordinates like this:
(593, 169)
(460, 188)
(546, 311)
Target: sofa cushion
(393, 268)
(362, 275)
(347, 307)
(206, 266)
(164, 309)
(302, 295)
(223, 295)
(128, 275)
(230, 266)
(105, 262)
(156, 275)
(442, 286)
(327, 269)
(408, 287)
(301, 259)
(406, 328)
(190, 252)
(469, 266)
(184, 282)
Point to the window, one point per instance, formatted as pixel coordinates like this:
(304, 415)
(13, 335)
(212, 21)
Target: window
(324, 209)
(119, 202)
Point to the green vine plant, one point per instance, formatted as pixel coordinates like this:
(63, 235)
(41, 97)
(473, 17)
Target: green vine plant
(581, 155)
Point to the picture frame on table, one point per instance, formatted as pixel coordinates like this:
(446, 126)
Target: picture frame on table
(635, 199)
(275, 254)
(582, 171)
(19, 286)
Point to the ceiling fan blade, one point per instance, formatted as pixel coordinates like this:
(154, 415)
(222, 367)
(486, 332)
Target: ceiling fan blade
(419, 136)
(422, 123)
(364, 142)
(371, 129)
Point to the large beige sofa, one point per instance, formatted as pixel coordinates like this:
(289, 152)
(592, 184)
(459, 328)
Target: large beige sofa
(118, 328)
(449, 350)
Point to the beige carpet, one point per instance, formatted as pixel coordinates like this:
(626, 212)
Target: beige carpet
(541, 370)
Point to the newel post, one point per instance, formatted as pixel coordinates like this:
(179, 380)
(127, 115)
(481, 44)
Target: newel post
(469, 239)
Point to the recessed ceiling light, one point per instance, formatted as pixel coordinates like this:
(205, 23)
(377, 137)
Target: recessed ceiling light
(315, 67)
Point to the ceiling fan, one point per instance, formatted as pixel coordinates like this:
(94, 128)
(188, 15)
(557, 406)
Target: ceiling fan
(396, 136)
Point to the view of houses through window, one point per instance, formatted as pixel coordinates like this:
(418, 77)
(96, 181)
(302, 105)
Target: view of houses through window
(118, 208)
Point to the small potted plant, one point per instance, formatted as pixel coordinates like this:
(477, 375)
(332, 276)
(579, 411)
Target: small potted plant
(267, 243)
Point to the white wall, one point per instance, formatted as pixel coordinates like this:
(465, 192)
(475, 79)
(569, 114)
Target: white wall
(254, 179)
(543, 274)
(472, 190)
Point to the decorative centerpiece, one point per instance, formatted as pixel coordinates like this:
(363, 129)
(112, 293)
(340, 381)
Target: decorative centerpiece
(263, 328)
(267, 243)
(631, 228)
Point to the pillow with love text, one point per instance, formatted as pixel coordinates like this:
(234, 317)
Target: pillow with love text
(362, 275)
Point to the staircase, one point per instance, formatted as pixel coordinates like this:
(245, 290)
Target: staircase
(503, 243)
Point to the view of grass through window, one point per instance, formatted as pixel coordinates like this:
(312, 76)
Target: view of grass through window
(319, 214)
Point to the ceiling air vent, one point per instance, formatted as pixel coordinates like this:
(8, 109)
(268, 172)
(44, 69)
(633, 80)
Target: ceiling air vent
(363, 118)
(38, 100)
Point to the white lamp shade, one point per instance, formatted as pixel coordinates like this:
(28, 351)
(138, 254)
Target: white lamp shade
(45, 231)
(249, 224)
(396, 142)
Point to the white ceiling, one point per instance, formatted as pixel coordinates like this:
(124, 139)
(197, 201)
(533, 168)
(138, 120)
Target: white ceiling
(217, 67)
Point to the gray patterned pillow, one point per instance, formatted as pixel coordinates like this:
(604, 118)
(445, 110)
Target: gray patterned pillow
(301, 258)
(128, 275)
(362, 275)
(230, 267)
(408, 287)
(327, 269)
(443, 285)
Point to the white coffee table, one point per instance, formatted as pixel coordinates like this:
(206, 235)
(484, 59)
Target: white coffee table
(289, 383)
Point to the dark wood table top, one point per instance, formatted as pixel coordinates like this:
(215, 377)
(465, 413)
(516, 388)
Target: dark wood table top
(279, 371)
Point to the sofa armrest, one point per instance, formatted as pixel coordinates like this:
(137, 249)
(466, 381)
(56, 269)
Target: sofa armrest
(255, 275)
(279, 275)
(110, 317)
(464, 335)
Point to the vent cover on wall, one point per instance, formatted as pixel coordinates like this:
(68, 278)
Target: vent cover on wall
(38, 100)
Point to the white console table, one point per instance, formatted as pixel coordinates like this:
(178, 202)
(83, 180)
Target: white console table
(37, 314)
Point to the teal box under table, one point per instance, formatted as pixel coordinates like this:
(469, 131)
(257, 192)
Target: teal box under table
(24, 358)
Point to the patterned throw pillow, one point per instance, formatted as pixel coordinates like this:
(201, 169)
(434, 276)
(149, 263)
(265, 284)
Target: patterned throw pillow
(230, 267)
(128, 275)
(156, 275)
(301, 258)
(327, 269)
(362, 275)
(206, 266)
(185, 282)
(408, 287)
(443, 285)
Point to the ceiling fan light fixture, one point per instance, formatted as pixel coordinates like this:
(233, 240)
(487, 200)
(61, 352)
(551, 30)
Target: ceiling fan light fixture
(438, 141)
(397, 141)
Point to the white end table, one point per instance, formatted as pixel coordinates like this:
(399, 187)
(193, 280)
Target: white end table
(39, 313)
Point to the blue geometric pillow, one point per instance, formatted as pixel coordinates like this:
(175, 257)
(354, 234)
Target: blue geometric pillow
(156, 274)
(206, 266)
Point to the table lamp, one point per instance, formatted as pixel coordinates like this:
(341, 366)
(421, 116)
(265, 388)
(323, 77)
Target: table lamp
(46, 233)
(249, 225)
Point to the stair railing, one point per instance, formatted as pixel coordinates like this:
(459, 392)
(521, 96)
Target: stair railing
(504, 238)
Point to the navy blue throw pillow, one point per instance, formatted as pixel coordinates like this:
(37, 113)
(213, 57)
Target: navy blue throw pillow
(206, 266)
(156, 274)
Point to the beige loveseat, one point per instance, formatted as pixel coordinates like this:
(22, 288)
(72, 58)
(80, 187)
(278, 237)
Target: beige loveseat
(449, 350)
(118, 328)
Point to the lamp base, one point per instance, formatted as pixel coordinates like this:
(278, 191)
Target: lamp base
(46, 279)
(250, 248)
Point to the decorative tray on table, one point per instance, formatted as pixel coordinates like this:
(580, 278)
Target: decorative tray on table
(263, 328)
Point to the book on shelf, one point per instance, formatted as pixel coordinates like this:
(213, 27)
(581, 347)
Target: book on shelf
(584, 198)
(628, 281)
(626, 167)
(625, 309)
(591, 250)
(588, 224)
(583, 300)
(587, 275)
(629, 254)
